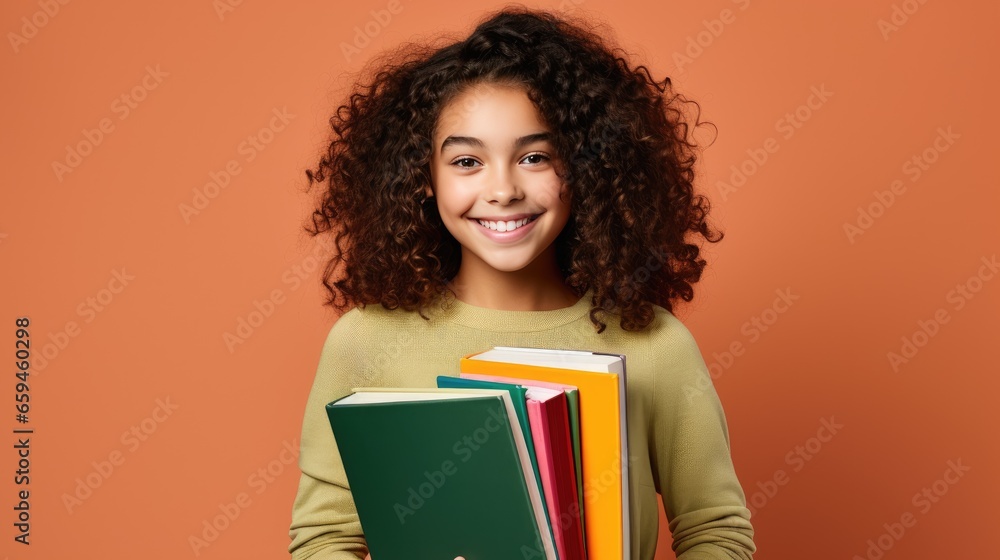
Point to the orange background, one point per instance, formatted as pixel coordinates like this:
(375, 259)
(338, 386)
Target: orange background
(160, 339)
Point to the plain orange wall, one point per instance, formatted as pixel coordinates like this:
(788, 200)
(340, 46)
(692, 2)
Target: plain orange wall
(145, 400)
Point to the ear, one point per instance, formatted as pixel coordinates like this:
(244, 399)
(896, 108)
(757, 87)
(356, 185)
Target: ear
(428, 191)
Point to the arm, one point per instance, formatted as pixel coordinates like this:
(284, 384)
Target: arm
(702, 497)
(325, 523)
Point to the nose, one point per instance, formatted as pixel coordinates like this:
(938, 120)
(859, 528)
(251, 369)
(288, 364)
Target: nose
(503, 188)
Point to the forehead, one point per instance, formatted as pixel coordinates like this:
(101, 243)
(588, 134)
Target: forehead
(489, 109)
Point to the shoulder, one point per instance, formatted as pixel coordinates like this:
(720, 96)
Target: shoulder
(680, 350)
(669, 331)
(369, 325)
(361, 343)
(666, 351)
(373, 317)
(682, 377)
(666, 339)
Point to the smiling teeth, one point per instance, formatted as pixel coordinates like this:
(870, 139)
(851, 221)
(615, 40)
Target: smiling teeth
(505, 226)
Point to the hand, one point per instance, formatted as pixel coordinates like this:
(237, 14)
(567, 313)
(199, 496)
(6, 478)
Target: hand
(369, 557)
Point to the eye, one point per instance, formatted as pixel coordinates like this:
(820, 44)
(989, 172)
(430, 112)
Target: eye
(535, 158)
(461, 162)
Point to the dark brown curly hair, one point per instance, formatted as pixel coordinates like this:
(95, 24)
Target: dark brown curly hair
(628, 162)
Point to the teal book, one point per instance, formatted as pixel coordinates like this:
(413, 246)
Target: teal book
(519, 396)
(440, 474)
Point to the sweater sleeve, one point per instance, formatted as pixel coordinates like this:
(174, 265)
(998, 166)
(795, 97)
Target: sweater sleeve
(693, 469)
(325, 524)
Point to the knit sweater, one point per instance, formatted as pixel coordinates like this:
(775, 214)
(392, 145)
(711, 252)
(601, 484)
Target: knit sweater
(678, 440)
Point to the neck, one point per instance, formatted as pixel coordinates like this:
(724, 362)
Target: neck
(537, 287)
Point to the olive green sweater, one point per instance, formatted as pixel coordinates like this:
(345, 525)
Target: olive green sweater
(678, 440)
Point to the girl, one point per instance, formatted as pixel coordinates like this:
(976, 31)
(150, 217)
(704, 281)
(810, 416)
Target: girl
(525, 186)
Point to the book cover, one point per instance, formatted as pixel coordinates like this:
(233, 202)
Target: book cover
(416, 462)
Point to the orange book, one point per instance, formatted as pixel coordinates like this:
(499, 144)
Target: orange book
(603, 430)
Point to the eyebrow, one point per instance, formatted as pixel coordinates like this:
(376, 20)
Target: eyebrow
(477, 143)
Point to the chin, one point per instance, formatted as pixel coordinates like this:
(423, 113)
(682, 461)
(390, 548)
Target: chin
(508, 266)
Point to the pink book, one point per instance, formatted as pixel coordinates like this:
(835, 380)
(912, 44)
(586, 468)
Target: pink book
(525, 382)
(548, 417)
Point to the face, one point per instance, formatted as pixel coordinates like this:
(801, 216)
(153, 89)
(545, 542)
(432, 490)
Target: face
(494, 176)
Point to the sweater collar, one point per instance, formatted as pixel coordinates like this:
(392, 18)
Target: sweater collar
(484, 318)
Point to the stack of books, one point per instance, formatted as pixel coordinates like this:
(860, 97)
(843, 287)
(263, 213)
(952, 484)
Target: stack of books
(524, 455)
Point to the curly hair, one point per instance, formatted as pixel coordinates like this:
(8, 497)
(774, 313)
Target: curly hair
(635, 218)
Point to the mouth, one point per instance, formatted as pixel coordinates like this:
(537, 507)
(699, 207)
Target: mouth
(508, 225)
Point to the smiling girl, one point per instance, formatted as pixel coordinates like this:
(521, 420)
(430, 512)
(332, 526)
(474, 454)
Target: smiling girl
(525, 186)
(499, 196)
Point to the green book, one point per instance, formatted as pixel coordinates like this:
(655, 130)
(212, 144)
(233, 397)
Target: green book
(572, 403)
(440, 473)
(518, 394)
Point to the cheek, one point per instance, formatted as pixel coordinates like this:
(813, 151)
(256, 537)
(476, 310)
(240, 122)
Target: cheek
(555, 197)
(451, 201)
